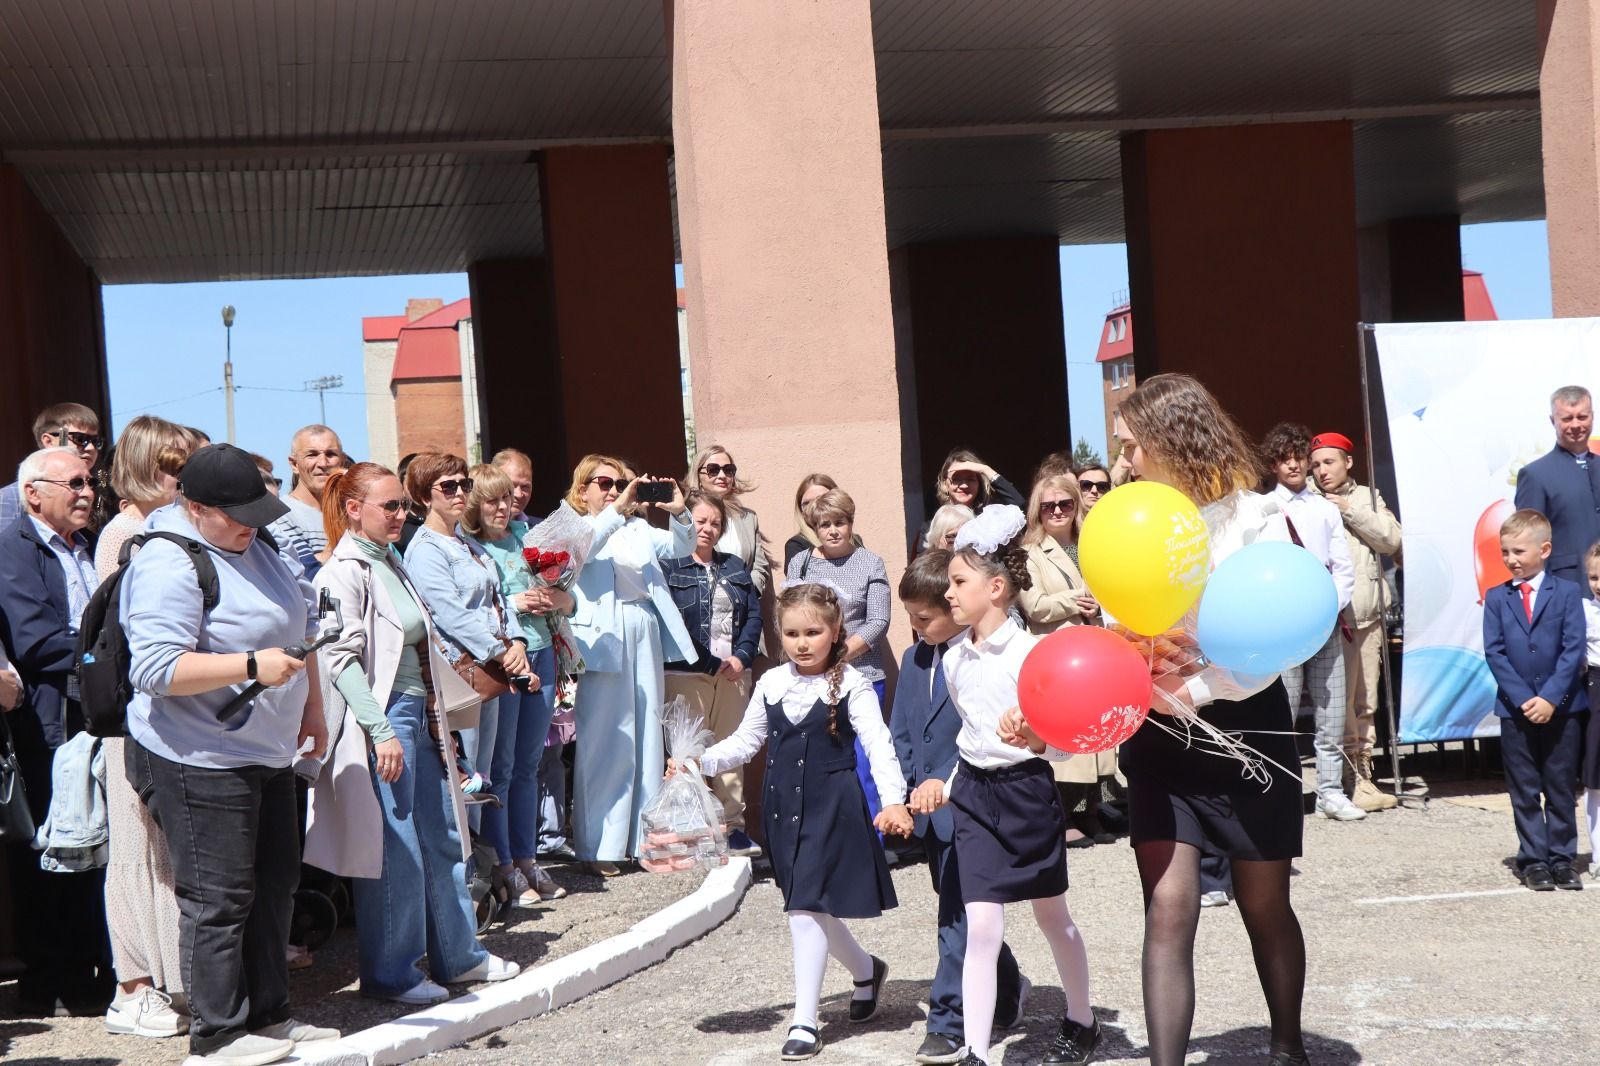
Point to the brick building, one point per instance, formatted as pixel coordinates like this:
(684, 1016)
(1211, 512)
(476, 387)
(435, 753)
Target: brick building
(420, 383)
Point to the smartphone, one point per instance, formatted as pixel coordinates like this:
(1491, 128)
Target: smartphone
(654, 492)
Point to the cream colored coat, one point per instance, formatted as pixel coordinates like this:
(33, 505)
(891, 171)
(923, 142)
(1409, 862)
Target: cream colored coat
(1049, 605)
(1372, 532)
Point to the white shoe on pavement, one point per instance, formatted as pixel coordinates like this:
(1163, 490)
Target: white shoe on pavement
(144, 1012)
(422, 994)
(1218, 898)
(1339, 808)
(298, 1031)
(494, 968)
(247, 1050)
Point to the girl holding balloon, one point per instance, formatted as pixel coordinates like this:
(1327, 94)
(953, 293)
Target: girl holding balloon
(1009, 822)
(1182, 793)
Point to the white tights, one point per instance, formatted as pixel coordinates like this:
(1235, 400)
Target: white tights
(986, 931)
(815, 937)
(1591, 807)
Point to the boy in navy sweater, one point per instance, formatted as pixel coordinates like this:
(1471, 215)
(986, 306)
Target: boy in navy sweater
(924, 723)
(1534, 641)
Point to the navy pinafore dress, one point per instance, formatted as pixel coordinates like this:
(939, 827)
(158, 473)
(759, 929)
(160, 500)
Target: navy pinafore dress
(825, 853)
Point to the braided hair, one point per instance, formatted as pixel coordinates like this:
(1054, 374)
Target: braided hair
(1009, 561)
(825, 602)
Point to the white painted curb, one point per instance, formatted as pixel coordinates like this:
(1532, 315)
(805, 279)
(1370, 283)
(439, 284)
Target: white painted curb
(543, 988)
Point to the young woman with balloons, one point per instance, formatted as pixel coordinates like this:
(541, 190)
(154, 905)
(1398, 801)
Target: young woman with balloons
(1257, 615)
(1009, 822)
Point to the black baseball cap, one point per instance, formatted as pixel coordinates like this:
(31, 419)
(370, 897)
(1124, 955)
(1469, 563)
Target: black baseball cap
(225, 477)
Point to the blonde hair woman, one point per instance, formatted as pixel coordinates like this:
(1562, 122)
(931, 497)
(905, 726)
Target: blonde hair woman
(716, 474)
(811, 487)
(946, 522)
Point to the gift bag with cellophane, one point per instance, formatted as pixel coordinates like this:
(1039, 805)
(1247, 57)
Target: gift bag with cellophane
(683, 828)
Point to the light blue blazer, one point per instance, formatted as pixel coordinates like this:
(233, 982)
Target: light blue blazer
(597, 621)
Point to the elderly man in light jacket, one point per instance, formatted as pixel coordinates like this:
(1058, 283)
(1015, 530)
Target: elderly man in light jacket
(1372, 532)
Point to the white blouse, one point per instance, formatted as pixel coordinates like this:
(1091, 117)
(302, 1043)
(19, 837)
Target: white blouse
(982, 678)
(799, 693)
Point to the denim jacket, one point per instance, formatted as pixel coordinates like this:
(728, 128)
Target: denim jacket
(690, 585)
(76, 832)
(460, 587)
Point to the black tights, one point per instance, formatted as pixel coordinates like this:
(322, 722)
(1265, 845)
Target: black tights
(1170, 873)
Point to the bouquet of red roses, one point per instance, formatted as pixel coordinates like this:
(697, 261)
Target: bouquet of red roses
(548, 566)
(555, 551)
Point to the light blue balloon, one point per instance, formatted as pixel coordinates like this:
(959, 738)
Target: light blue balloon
(1269, 606)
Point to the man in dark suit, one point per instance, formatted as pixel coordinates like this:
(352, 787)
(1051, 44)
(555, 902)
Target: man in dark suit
(46, 578)
(924, 723)
(1564, 485)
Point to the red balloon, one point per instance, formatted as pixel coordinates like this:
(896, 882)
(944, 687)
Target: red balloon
(1491, 569)
(1084, 689)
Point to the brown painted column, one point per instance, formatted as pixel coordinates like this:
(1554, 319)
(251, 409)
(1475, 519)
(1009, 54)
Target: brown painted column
(52, 336)
(1243, 265)
(780, 210)
(993, 304)
(1568, 120)
(1411, 270)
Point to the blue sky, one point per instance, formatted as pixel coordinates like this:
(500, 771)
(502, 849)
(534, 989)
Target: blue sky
(165, 342)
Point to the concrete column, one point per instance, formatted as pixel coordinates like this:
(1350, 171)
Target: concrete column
(1243, 265)
(1411, 270)
(52, 334)
(991, 306)
(780, 210)
(1568, 119)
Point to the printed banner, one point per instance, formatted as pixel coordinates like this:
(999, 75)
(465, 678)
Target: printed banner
(1468, 404)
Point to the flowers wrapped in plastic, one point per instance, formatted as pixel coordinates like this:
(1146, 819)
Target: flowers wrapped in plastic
(683, 827)
(555, 551)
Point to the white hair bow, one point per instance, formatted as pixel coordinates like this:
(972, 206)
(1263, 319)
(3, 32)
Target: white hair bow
(995, 527)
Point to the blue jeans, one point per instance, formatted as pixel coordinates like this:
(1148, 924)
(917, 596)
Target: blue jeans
(523, 721)
(420, 904)
(552, 798)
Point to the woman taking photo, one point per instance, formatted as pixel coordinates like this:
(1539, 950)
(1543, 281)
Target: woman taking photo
(627, 626)
(419, 903)
(1182, 799)
(722, 612)
(717, 475)
(223, 794)
(523, 721)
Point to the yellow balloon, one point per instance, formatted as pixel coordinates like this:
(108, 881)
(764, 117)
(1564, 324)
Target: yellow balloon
(1146, 555)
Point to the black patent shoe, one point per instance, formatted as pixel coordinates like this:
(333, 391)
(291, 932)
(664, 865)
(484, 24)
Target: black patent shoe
(939, 1048)
(1074, 1044)
(1537, 877)
(796, 1048)
(862, 1010)
(1566, 877)
(1290, 1058)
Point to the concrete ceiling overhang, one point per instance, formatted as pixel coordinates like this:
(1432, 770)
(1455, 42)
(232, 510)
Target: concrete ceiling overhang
(248, 138)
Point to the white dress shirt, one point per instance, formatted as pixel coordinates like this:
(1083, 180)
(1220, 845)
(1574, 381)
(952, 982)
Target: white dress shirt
(982, 679)
(799, 693)
(1321, 529)
(1591, 624)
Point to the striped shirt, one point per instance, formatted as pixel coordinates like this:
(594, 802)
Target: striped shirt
(862, 585)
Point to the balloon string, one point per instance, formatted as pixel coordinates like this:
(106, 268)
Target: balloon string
(1253, 764)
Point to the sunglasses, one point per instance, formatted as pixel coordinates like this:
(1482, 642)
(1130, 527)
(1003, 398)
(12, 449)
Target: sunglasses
(1094, 486)
(389, 507)
(606, 483)
(718, 469)
(1062, 506)
(275, 482)
(451, 486)
(77, 484)
(81, 440)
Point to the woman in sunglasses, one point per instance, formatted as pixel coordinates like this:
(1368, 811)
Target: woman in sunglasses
(716, 474)
(627, 626)
(1093, 483)
(966, 480)
(410, 891)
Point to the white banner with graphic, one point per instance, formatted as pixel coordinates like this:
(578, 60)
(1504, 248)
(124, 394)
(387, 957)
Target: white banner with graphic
(1467, 403)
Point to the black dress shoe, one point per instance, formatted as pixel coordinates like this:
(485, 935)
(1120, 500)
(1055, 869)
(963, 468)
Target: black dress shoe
(1566, 877)
(969, 1059)
(939, 1048)
(1074, 1044)
(1537, 877)
(862, 1010)
(796, 1048)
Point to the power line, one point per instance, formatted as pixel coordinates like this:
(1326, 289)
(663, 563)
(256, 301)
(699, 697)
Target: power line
(177, 399)
(334, 392)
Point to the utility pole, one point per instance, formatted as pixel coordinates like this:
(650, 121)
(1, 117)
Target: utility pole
(321, 386)
(227, 365)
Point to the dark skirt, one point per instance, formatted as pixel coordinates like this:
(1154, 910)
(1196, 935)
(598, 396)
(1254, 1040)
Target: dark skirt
(1591, 733)
(825, 852)
(1195, 797)
(1010, 833)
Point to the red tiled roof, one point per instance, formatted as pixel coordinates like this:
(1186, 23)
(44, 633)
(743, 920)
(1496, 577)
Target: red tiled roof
(1116, 337)
(382, 327)
(429, 347)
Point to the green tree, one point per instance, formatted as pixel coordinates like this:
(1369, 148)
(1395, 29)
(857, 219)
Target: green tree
(1083, 456)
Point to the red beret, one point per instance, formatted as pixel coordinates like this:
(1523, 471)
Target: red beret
(1333, 440)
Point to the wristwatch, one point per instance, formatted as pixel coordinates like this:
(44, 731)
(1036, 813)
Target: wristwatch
(250, 665)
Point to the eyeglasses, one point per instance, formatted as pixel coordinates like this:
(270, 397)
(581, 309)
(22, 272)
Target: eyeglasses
(77, 484)
(1085, 485)
(275, 482)
(389, 507)
(606, 483)
(80, 440)
(451, 486)
(1062, 506)
(718, 469)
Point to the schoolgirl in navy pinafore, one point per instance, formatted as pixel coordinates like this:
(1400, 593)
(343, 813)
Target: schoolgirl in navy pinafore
(825, 852)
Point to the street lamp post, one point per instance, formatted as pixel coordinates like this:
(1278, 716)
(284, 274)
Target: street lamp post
(321, 386)
(227, 365)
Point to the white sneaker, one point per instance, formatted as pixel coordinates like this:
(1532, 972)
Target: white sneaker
(546, 885)
(298, 1031)
(494, 968)
(1218, 898)
(422, 994)
(247, 1050)
(145, 1012)
(1339, 808)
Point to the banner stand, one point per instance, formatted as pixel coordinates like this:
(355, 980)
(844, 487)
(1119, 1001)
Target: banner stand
(1364, 337)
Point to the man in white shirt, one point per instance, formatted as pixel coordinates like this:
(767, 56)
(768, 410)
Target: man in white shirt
(314, 454)
(1317, 526)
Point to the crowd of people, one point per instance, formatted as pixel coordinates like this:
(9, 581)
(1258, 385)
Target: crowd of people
(434, 709)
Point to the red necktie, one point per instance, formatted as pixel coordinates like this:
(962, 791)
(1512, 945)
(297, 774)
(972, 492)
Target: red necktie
(1527, 598)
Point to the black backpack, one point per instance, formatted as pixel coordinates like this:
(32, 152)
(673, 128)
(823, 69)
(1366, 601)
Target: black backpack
(103, 685)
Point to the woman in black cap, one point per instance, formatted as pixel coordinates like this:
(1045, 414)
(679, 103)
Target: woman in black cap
(223, 793)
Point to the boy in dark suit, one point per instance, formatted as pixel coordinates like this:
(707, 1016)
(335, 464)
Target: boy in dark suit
(1534, 640)
(924, 723)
